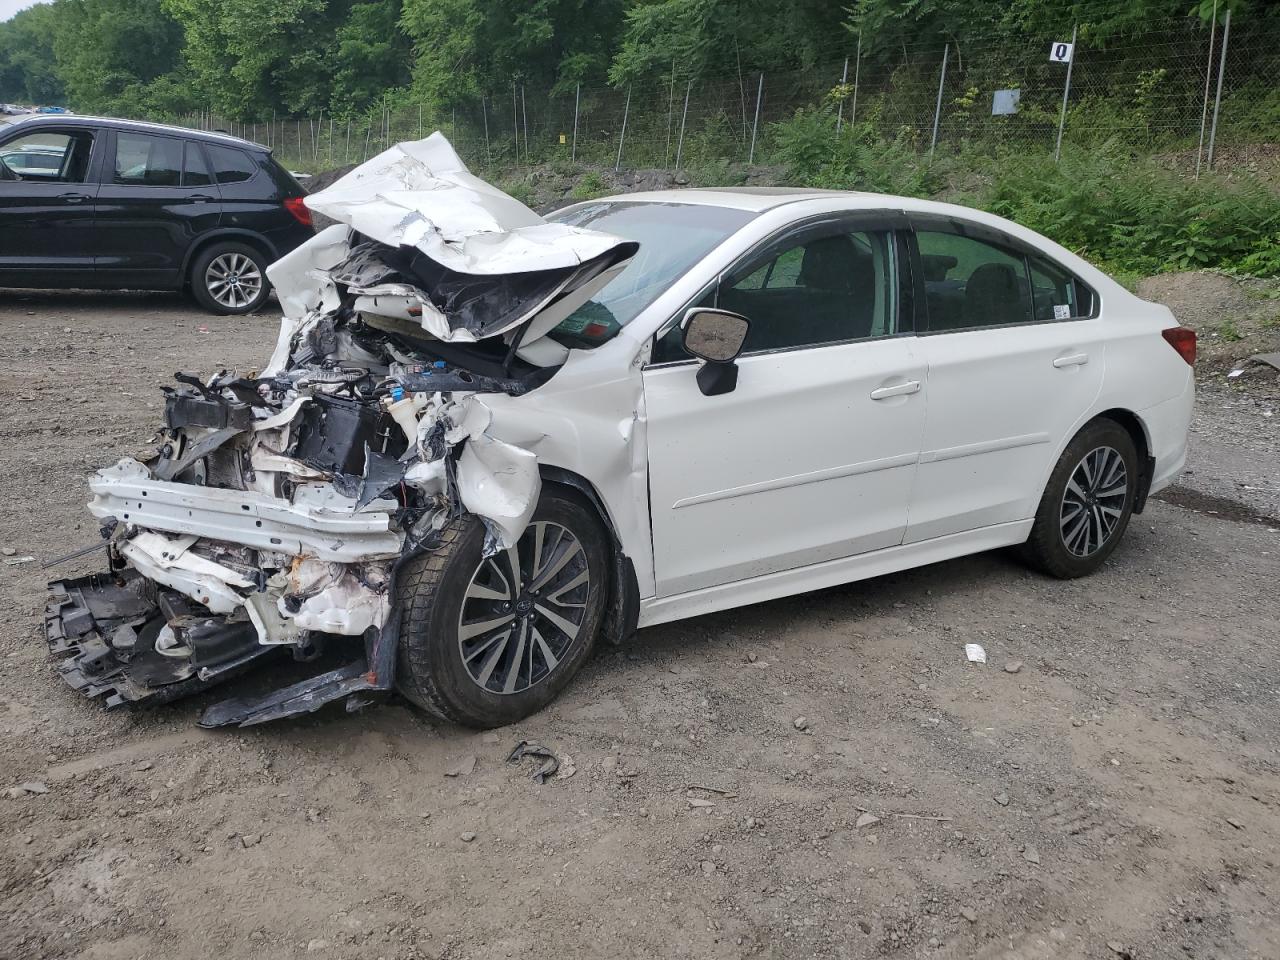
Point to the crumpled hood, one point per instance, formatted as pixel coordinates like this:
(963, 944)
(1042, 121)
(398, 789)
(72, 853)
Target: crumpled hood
(467, 259)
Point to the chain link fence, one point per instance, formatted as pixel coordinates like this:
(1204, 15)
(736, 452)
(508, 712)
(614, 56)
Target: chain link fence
(1184, 88)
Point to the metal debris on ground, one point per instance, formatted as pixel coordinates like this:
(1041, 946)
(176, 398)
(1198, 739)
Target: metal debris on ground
(527, 748)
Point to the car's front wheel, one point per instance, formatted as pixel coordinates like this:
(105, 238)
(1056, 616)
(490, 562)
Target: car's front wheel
(1087, 503)
(230, 278)
(486, 641)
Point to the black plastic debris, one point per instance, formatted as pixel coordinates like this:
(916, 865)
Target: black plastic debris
(527, 748)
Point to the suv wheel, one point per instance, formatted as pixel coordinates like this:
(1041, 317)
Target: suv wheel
(230, 278)
(1087, 503)
(486, 641)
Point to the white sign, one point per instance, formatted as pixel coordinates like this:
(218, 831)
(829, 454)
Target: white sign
(1061, 52)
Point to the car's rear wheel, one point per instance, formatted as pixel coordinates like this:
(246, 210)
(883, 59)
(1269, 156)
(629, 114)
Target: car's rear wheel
(486, 641)
(1087, 503)
(230, 278)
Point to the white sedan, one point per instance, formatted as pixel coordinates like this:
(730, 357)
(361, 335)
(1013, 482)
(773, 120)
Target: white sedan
(754, 393)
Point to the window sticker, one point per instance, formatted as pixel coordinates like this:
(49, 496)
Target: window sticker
(1061, 311)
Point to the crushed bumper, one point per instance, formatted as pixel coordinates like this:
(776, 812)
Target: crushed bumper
(106, 628)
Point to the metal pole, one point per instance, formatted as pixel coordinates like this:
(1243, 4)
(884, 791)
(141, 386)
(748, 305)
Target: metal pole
(515, 121)
(420, 122)
(751, 155)
(937, 110)
(671, 112)
(1208, 76)
(524, 117)
(484, 112)
(346, 148)
(844, 78)
(577, 99)
(683, 117)
(1066, 89)
(857, 67)
(329, 159)
(1217, 98)
(626, 110)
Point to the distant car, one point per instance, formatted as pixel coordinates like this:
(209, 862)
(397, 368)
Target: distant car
(117, 204)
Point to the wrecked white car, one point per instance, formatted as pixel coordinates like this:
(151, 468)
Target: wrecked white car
(485, 440)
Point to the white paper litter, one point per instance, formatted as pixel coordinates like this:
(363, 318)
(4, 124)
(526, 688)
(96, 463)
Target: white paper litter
(975, 653)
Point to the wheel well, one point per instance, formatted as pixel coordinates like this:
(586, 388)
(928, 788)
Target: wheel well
(248, 239)
(622, 612)
(1133, 426)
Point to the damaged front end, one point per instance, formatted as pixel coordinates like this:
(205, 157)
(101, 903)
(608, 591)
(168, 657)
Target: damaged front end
(280, 507)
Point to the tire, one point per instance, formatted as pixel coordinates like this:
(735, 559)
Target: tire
(1081, 490)
(230, 278)
(476, 681)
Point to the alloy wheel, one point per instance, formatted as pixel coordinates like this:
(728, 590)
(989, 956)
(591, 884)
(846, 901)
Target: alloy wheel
(523, 609)
(1093, 502)
(233, 280)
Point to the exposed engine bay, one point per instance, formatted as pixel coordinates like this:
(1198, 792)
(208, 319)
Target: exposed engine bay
(280, 505)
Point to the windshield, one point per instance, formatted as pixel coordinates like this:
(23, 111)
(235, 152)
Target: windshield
(672, 237)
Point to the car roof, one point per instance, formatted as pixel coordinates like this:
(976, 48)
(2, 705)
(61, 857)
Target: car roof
(757, 200)
(36, 120)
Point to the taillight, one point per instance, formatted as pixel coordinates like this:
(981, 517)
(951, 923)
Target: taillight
(1182, 340)
(299, 210)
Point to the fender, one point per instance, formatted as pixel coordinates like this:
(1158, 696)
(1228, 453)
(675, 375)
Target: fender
(227, 233)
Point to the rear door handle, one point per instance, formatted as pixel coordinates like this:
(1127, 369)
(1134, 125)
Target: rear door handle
(200, 198)
(1074, 360)
(898, 390)
(73, 197)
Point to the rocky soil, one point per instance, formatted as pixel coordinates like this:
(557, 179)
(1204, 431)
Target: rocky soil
(822, 776)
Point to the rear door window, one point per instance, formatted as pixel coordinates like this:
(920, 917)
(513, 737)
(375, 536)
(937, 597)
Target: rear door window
(145, 160)
(230, 165)
(195, 169)
(972, 283)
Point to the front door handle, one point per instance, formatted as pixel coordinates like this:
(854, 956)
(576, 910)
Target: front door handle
(73, 197)
(1074, 360)
(897, 390)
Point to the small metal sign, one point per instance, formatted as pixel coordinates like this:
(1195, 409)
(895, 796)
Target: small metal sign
(1005, 102)
(1061, 52)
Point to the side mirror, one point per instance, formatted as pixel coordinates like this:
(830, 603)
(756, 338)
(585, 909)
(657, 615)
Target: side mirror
(716, 336)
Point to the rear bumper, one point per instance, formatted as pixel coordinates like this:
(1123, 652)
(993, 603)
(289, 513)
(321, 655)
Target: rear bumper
(1167, 426)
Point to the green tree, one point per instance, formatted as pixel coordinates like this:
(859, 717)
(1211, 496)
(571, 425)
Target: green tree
(471, 47)
(371, 55)
(120, 56)
(28, 71)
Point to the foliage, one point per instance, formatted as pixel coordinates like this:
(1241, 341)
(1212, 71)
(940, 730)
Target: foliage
(28, 73)
(1120, 210)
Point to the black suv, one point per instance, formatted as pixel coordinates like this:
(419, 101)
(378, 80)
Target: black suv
(114, 204)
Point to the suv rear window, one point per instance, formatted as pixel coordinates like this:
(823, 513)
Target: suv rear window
(230, 165)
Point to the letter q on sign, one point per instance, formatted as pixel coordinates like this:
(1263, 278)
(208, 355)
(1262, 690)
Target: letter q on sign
(1061, 52)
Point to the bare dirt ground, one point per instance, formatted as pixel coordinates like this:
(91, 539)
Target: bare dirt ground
(1117, 795)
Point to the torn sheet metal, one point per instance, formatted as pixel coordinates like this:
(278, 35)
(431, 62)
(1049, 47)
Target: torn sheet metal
(279, 507)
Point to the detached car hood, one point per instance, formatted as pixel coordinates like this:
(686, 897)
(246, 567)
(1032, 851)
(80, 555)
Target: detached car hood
(280, 506)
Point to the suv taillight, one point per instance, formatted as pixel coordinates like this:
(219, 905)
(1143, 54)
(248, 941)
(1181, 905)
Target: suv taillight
(1182, 340)
(299, 210)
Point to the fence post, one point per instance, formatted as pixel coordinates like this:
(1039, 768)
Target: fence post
(484, 113)
(1066, 90)
(515, 121)
(844, 78)
(937, 110)
(1208, 76)
(1217, 98)
(346, 148)
(420, 123)
(684, 116)
(751, 155)
(524, 116)
(857, 67)
(626, 110)
(671, 112)
(577, 99)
